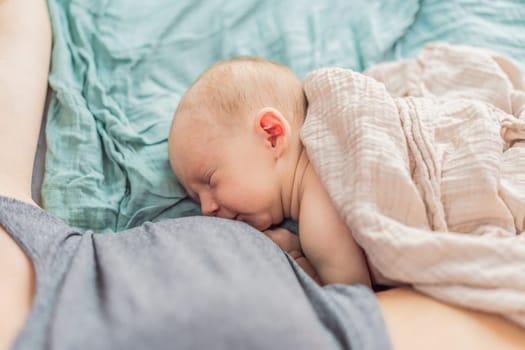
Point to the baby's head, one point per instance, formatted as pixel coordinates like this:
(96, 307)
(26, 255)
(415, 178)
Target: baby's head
(230, 92)
(235, 139)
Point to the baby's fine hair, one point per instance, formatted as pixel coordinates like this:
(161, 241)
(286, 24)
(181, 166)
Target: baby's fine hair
(234, 87)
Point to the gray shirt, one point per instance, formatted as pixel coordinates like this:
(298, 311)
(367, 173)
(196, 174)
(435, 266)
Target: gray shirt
(189, 283)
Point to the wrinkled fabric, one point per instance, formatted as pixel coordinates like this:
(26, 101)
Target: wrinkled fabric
(119, 68)
(425, 161)
(496, 25)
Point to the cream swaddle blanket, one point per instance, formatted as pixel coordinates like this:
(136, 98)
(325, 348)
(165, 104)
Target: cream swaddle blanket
(425, 161)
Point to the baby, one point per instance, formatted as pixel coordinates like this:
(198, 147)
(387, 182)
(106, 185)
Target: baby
(234, 146)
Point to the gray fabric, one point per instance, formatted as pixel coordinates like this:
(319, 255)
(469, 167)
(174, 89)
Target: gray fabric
(190, 283)
(39, 163)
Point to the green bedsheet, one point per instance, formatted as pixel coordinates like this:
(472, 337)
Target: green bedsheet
(119, 68)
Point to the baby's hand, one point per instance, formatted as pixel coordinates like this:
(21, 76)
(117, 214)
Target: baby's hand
(289, 242)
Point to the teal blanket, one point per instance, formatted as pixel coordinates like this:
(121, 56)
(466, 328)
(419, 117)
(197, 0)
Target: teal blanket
(119, 68)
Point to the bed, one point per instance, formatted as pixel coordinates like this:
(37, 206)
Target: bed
(119, 69)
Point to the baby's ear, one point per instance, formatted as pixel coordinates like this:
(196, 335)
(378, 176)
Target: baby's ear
(273, 126)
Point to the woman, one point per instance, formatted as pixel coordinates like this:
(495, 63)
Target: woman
(174, 284)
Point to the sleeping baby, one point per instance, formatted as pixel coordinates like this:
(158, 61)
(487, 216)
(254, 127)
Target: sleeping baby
(234, 146)
(411, 173)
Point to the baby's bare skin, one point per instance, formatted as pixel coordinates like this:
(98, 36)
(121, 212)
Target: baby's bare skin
(289, 242)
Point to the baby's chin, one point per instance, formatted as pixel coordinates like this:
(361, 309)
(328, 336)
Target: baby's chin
(261, 225)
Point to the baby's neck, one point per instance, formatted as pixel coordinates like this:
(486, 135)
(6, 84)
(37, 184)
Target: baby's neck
(298, 171)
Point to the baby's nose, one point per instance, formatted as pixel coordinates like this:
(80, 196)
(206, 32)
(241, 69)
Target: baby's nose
(209, 207)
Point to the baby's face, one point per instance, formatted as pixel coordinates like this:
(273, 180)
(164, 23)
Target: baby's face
(230, 177)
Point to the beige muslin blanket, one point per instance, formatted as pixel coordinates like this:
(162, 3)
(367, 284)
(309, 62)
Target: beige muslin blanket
(425, 161)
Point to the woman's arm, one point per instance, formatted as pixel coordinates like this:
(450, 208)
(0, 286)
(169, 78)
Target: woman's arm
(25, 48)
(25, 45)
(415, 321)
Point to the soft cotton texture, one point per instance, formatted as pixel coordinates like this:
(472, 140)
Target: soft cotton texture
(119, 68)
(425, 161)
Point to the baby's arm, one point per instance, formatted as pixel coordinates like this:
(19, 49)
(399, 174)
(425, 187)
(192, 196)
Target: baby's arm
(326, 240)
(289, 242)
